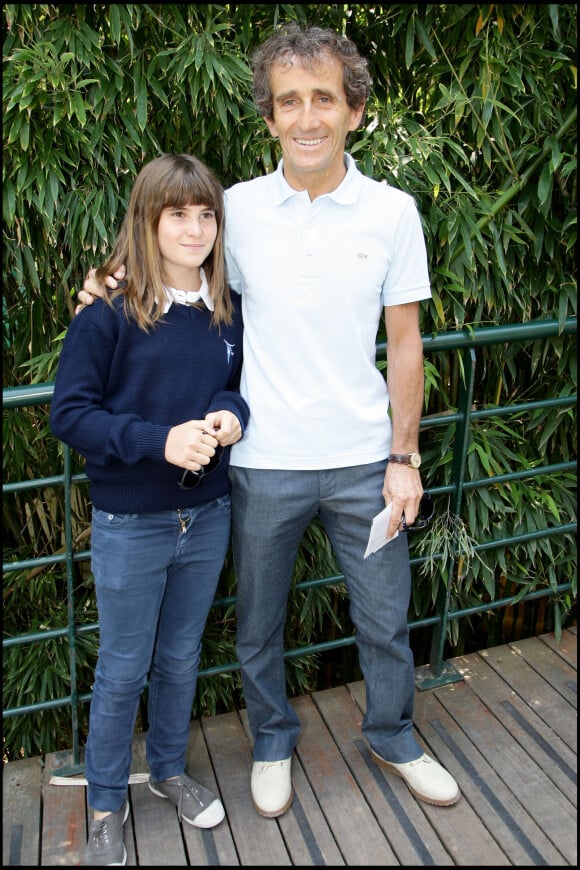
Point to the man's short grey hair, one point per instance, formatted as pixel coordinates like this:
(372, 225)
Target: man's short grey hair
(310, 45)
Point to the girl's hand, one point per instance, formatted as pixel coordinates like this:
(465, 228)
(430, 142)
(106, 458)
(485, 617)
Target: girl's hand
(190, 445)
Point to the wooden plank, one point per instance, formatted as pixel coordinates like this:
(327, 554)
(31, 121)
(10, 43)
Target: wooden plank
(258, 841)
(354, 826)
(566, 647)
(399, 814)
(21, 812)
(450, 823)
(539, 741)
(501, 781)
(545, 701)
(214, 846)
(307, 834)
(158, 839)
(560, 675)
(64, 820)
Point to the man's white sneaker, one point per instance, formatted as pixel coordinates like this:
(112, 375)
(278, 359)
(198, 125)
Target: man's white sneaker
(271, 785)
(426, 779)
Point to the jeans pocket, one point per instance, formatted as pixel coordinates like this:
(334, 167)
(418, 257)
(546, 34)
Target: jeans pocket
(106, 520)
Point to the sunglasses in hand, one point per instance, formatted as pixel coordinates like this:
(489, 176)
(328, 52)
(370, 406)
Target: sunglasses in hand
(192, 479)
(424, 515)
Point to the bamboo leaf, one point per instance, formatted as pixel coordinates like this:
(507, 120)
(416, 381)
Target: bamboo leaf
(423, 36)
(24, 135)
(115, 23)
(142, 103)
(545, 185)
(409, 44)
(79, 108)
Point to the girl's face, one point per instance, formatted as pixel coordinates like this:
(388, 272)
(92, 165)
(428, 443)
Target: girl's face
(186, 236)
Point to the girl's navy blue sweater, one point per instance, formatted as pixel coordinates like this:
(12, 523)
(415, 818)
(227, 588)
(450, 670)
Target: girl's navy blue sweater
(119, 390)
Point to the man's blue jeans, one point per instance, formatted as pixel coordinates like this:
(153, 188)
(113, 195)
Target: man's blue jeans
(155, 584)
(270, 513)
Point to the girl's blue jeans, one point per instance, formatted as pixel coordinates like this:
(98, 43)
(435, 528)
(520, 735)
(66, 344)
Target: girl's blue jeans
(270, 513)
(155, 576)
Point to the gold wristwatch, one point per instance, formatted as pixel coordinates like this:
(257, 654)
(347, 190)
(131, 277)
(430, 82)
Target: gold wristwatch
(412, 459)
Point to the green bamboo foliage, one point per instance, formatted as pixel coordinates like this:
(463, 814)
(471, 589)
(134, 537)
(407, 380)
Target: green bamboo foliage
(473, 112)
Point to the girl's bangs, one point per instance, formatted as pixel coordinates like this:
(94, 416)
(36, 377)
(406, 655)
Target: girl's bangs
(185, 188)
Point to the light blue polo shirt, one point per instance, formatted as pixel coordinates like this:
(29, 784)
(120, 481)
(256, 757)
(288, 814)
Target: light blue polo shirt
(314, 277)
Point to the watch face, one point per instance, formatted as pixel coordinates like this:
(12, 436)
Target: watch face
(415, 460)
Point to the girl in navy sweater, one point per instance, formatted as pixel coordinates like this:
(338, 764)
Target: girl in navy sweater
(147, 392)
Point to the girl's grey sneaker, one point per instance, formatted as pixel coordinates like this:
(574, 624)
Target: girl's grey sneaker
(196, 805)
(105, 845)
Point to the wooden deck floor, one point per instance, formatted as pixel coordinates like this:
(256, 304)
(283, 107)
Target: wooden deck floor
(506, 731)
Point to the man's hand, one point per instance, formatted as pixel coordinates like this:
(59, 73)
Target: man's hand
(92, 288)
(190, 445)
(404, 489)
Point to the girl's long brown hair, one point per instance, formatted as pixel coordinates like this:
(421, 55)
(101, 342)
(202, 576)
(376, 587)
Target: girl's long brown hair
(170, 181)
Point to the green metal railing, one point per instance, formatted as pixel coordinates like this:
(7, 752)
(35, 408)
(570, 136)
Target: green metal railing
(465, 343)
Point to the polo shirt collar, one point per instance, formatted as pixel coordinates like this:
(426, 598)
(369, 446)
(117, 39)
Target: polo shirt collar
(347, 192)
(183, 297)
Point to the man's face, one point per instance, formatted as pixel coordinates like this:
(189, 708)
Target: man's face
(312, 120)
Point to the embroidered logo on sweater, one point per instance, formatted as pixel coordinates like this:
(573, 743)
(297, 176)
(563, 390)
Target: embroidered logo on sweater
(229, 351)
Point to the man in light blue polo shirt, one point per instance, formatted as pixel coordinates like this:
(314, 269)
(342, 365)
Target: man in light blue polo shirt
(318, 252)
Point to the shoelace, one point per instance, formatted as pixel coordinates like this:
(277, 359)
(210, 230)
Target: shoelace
(187, 788)
(421, 760)
(100, 832)
(265, 765)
